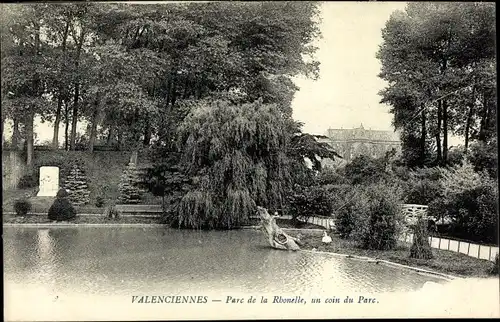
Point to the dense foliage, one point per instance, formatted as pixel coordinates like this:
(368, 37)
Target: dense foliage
(439, 60)
(237, 157)
(129, 186)
(314, 200)
(22, 207)
(470, 199)
(129, 69)
(61, 209)
(76, 186)
(371, 217)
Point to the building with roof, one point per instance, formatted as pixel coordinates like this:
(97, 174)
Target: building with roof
(350, 143)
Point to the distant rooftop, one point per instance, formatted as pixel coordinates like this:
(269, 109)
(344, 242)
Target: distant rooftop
(360, 133)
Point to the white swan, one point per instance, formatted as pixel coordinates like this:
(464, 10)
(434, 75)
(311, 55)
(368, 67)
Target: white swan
(326, 239)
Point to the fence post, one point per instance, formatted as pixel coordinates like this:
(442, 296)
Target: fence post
(439, 245)
(479, 251)
(489, 256)
(448, 244)
(468, 248)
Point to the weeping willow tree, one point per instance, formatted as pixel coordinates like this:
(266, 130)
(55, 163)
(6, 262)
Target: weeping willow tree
(236, 155)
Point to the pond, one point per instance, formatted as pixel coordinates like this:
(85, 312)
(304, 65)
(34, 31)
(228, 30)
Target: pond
(73, 266)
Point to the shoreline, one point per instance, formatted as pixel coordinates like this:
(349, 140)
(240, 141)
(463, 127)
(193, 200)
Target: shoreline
(421, 269)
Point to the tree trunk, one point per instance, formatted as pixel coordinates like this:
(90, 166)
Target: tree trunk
(3, 125)
(186, 88)
(469, 119)
(147, 134)
(423, 137)
(120, 139)
(133, 156)
(74, 117)
(174, 89)
(445, 131)
(109, 139)
(482, 124)
(93, 128)
(15, 133)
(66, 127)
(77, 92)
(29, 138)
(438, 133)
(55, 138)
(486, 124)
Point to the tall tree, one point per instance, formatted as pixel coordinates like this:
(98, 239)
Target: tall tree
(24, 68)
(430, 58)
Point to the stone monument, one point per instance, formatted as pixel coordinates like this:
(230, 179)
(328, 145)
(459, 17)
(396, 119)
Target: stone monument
(49, 182)
(276, 237)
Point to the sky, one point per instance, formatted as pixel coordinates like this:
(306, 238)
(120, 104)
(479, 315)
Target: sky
(346, 93)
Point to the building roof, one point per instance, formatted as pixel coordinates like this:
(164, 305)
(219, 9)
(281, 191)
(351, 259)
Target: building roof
(361, 133)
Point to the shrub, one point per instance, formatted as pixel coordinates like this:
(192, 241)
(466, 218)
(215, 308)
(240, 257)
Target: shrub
(378, 228)
(460, 178)
(329, 176)
(470, 200)
(99, 202)
(484, 156)
(422, 186)
(27, 181)
(111, 212)
(310, 201)
(61, 209)
(494, 267)
(372, 217)
(456, 155)
(22, 207)
(366, 170)
(76, 186)
(475, 213)
(350, 205)
(420, 248)
(130, 193)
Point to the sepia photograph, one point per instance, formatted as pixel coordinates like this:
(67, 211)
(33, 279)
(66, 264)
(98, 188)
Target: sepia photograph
(237, 160)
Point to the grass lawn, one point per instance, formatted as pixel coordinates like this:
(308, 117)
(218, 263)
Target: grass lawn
(444, 261)
(42, 204)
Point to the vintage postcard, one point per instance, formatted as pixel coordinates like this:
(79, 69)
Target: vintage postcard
(169, 160)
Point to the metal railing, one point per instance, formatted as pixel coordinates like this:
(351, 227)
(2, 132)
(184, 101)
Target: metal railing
(465, 247)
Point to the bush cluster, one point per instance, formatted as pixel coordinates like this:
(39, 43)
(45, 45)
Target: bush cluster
(27, 181)
(61, 209)
(22, 207)
(495, 267)
(130, 192)
(308, 201)
(470, 199)
(372, 217)
(422, 186)
(77, 187)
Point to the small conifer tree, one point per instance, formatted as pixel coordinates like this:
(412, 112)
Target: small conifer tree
(76, 186)
(130, 193)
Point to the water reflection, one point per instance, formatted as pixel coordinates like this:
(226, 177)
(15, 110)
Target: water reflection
(131, 260)
(46, 260)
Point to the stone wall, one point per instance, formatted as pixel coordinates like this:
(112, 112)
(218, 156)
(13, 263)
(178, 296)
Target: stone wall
(13, 168)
